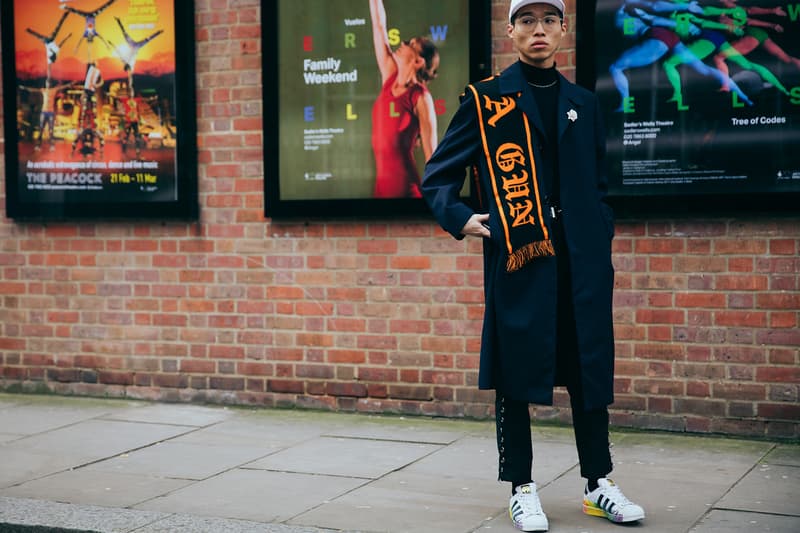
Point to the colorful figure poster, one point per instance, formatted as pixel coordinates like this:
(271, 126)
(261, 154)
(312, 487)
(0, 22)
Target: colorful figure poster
(365, 89)
(700, 97)
(94, 101)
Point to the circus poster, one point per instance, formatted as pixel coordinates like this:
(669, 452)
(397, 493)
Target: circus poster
(94, 104)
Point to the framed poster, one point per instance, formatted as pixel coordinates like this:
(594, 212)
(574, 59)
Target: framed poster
(701, 101)
(99, 108)
(357, 94)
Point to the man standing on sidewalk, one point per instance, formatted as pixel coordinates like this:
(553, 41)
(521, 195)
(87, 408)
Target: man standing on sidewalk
(537, 147)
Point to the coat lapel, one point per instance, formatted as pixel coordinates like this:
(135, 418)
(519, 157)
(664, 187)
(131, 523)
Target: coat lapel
(570, 103)
(512, 81)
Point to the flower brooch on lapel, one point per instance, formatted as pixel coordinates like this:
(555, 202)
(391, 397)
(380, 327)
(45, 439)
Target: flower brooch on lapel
(572, 115)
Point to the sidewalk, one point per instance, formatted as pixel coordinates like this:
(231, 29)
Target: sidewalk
(123, 466)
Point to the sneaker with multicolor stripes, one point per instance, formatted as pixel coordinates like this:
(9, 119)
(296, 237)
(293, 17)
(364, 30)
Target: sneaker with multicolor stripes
(608, 501)
(525, 509)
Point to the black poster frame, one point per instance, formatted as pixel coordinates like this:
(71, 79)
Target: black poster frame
(591, 37)
(276, 204)
(69, 205)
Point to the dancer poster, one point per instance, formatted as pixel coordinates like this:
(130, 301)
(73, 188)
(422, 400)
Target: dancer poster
(701, 98)
(93, 123)
(357, 95)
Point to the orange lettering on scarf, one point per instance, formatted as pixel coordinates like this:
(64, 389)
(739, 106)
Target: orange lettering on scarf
(508, 156)
(521, 211)
(516, 186)
(500, 109)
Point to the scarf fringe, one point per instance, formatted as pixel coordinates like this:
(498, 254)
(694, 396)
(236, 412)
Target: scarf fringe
(522, 256)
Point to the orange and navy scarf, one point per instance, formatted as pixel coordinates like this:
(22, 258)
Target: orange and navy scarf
(506, 136)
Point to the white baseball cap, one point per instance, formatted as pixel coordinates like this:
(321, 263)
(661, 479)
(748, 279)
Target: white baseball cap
(516, 5)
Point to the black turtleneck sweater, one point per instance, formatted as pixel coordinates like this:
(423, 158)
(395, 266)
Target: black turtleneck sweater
(544, 84)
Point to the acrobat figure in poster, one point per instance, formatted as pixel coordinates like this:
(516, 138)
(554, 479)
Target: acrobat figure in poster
(653, 36)
(51, 46)
(403, 112)
(755, 36)
(711, 42)
(128, 52)
(47, 116)
(90, 137)
(659, 36)
(131, 119)
(90, 28)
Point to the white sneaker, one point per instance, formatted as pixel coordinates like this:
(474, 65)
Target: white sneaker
(525, 509)
(608, 501)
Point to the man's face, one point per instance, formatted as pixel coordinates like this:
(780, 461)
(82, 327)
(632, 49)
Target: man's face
(537, 32)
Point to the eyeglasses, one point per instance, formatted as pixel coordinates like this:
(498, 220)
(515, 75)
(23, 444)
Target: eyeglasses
(529, 23)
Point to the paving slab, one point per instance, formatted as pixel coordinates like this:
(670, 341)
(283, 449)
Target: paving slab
(175, 414)
(20, 465)
(286, 471)
(34, 418)
(401, 432)
(8, 437)
(97, 439)
(476, 458)
(180, 460)
(270, 433)
(766, 489)
(411, 502)
(720, 521)
(784, 454)
(108, 489)
(338, 456)
(676, 479)
(256, 495)
(467, 458)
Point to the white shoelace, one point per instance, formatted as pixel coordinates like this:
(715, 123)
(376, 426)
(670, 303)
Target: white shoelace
(530, 502)
(613, 493)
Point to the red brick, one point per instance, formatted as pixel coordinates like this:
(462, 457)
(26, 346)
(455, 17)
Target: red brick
(383, 375)
(285, 386)
(740, 318)
(335, 388)
(700, 299)
(740, 247)
(779, 301)
(778, 374)
(658, 316)
(781, 411)
(196, 366)
(739, 391)
(741, 283)
(346, 356)
(783, 247)
(659, 246)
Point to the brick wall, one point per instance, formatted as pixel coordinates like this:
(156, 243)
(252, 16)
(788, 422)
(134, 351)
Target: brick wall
(380, 315)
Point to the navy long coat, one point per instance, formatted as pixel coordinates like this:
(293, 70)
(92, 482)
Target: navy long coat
(518, 347)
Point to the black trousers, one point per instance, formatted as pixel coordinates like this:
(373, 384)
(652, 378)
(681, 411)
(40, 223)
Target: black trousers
(513, 418)
(514, 444)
